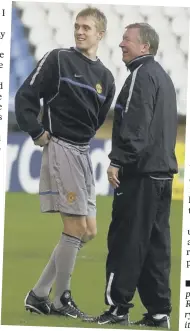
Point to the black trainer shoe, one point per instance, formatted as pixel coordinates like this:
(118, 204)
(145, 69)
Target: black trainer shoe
(35, 304)
(149, 320)
(111, 316)
(69, 308)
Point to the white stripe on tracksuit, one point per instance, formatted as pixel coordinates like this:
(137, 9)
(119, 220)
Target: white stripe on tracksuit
(39, 68)
(108, 291)
(132, 87)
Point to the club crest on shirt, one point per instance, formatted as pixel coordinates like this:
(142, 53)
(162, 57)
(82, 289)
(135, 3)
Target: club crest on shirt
(99, 88)
(71, 197)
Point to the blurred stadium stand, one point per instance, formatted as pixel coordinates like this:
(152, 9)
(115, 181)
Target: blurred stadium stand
(40, 27)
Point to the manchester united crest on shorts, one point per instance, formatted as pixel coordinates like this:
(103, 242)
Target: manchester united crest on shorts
(71, 197)
(99, 88)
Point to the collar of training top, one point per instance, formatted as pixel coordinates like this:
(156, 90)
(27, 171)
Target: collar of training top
(85, 57)
(132, 65)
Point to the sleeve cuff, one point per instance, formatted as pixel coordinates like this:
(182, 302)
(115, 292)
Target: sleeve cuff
(115, 165)
(36, 135)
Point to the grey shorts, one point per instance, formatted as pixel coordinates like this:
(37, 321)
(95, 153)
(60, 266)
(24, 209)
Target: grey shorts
(66, 179)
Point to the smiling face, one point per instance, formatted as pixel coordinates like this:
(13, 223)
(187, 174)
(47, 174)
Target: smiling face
(86, 34)
(132, 46)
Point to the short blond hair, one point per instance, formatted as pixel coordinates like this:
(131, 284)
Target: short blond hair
(101, 20)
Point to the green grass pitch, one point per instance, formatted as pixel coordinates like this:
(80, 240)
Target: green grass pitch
(29, 239)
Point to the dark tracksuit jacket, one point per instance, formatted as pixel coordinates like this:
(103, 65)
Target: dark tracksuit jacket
(145, 123)
(143, 147)
(77, 94)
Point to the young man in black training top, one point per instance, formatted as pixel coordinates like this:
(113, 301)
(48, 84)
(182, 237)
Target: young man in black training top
(77, 90)
(142, 165)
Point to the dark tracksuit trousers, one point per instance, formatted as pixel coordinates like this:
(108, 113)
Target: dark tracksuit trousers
(139, 244)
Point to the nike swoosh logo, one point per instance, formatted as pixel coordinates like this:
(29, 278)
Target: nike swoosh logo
(78, 76)
(105, 322)
(73, 316)
(120, 193)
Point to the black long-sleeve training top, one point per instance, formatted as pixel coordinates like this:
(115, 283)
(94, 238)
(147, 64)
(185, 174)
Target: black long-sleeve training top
(77, 94)
(145, 120)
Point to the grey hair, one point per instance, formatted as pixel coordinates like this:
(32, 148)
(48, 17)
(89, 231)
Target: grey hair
(147, 35)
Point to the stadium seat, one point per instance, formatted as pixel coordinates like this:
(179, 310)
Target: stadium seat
(181, 106)
(112, 68)
(63, 39)
(103, 52)
(180, 25)
(20, 53)
(45, 47)
(121, 10)
(182, 100)
(76, 6)
(116, 57)
(107, 9)
(36, 38)
(172, 58)
(158, 57)
(168, 42)
(130, 17)
(19, 48)
(33, 16)
(23, 67)
(113, 18)
(123, 73)
(22, 5)
(13, 84)
(14, 14)
(148, 11)
(173, 12)
(184, 43)
(59, 18)
(17, 30)
(159, 23)
(48, 6)
(179, 76)
(114, 38)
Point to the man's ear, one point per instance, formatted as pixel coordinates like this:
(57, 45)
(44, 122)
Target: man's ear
(146, 48)
(101, 35)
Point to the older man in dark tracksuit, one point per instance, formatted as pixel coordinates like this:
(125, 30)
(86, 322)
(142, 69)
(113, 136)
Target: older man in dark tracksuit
(143, 163)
